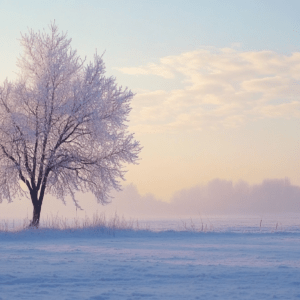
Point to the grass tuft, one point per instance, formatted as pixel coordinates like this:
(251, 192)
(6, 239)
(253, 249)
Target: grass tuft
(98, 222)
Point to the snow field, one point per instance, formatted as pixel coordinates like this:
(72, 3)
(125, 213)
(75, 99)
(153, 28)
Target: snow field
(87, 264)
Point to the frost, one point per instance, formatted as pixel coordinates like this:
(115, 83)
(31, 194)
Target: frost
(62, 124)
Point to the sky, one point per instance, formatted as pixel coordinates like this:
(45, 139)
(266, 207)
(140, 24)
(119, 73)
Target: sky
(217, 91)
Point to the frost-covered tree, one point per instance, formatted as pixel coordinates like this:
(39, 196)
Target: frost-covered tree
(63, 125)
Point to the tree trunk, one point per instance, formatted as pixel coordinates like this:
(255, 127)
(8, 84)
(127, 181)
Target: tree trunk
(36, 215)
(37, 205)
(38, 201)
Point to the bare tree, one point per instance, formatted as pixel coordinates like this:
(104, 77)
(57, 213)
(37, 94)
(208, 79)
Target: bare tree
(63, 125)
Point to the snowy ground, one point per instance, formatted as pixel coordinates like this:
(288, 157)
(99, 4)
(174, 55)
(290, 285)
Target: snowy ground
(233, 264)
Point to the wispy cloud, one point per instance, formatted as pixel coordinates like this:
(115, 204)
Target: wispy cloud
(222, 87)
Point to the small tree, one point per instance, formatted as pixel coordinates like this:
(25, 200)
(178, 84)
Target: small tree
(62, 125)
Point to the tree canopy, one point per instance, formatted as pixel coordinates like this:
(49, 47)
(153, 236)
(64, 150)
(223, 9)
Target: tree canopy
(63, 124)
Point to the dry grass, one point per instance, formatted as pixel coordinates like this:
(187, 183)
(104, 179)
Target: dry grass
(191, 226)
(102, 223)
(97, 222)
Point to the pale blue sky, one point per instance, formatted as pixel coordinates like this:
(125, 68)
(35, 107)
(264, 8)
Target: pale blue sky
(193, 127)
(135, 32)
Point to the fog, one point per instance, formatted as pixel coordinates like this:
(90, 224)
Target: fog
(217, 197)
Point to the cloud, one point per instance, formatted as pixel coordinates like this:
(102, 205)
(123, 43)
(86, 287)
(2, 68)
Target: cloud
(222, 87)
(217, 197)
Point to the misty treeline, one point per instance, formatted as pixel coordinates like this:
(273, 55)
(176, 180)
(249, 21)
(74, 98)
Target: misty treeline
(216, 197)
(63, 125)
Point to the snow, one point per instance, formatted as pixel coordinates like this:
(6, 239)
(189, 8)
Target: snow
(235, 263)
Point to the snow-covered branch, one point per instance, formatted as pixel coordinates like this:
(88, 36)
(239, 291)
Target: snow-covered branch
(62, 123)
